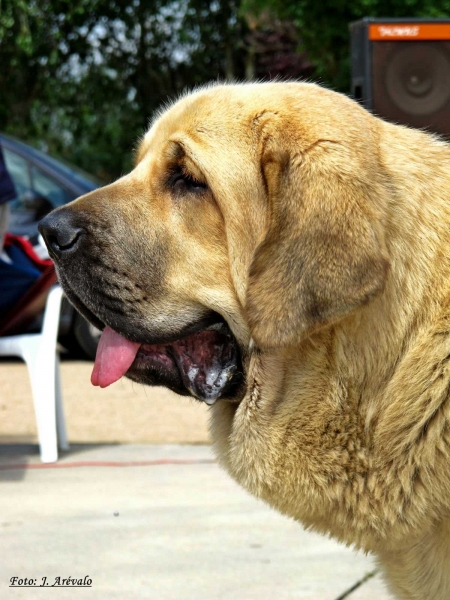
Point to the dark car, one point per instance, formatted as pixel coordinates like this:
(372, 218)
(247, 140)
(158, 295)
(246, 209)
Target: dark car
(43, 183)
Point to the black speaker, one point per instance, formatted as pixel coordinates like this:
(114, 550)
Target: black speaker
(401, 70)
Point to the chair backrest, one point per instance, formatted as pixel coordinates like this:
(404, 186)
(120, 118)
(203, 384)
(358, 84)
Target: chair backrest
(32, 303)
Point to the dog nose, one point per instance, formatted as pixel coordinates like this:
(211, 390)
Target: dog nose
(60, 232)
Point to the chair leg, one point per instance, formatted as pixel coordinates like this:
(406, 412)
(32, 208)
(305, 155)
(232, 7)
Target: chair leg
(63, 442)
(42, 375)
(38, 351)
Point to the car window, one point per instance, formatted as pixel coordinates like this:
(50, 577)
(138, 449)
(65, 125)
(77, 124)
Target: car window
(37, 194)
(19, 169)
(44, 186)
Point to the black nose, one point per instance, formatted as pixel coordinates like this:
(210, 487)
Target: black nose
(61, 232)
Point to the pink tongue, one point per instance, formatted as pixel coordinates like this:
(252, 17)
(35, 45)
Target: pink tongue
(115, 356)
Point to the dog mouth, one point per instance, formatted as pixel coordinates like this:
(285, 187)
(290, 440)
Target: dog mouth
(205, 364)
(203, 360)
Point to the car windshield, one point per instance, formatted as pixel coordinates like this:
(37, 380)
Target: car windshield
(58, 164)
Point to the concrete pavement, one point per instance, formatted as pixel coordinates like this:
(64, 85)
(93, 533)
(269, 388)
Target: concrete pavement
(159, 522)
(146, 522)
(124, 412)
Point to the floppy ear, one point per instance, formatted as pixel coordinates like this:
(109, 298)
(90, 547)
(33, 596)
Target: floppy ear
(323, 254)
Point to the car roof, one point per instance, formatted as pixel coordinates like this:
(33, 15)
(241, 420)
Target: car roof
(70, 177)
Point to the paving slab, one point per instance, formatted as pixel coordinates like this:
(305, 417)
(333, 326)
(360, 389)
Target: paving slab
(161, 523)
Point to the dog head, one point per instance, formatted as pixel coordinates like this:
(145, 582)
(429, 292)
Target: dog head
(254, 212)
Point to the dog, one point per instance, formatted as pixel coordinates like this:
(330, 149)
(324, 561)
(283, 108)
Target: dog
(283, 255)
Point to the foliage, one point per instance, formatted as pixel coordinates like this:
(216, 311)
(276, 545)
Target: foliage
(82, 79)
(324, 27)
(86, 76)
(273, 50)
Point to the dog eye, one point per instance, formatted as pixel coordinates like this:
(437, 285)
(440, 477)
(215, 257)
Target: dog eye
(183, 183)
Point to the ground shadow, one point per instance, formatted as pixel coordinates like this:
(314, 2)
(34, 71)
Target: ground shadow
(17, 458)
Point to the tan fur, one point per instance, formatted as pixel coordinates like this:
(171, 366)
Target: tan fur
(325, 243)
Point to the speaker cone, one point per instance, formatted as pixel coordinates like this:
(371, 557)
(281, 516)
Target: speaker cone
(417, 77)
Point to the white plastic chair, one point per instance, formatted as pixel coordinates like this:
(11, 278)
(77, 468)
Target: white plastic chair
(40, 352)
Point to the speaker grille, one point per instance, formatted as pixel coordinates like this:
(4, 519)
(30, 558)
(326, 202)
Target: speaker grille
(411, 83)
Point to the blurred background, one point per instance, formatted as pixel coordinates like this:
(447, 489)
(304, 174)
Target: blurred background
(80, 80)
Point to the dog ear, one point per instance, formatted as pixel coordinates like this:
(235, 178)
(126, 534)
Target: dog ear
(323, 253)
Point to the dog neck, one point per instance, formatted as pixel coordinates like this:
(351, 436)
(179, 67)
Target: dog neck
(357, 394)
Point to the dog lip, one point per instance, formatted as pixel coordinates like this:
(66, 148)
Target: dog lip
(210, 321)
(206, 363)
(79, 305)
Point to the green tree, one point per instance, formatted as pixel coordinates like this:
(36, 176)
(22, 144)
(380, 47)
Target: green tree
(86, 76)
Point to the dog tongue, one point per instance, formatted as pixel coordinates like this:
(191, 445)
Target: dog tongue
(115, 355)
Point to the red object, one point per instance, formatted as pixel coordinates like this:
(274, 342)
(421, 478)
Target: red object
(386, 32)
(33, 301)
